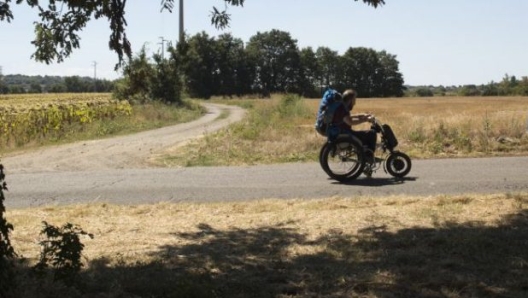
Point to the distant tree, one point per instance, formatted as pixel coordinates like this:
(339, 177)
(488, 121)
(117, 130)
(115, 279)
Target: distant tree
(389, 80)
(328, 63)
(200, 66)
(277, 61)
(57, 88)
(35, 88)
(362, 70)
(3, 87)
(469, 90)
(424, 92)
(234, 73)
(135, 85)
(56, 34)
(16, 89)
(74, 84)
(102, 85)
(522, 88)
(310, 74)
(490, 89)
(166, 80)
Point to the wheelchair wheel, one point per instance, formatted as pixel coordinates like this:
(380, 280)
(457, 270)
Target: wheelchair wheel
(342, 159)
(398, 164)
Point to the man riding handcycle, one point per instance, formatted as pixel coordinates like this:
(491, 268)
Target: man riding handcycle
(348, 153)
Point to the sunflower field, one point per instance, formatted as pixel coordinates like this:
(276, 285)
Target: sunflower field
(28, 117)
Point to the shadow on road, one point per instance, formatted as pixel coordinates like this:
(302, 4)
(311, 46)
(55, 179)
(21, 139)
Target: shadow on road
(376, 182)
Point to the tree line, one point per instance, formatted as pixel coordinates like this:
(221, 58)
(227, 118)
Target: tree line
(508, 86)
(271, 62)
(19, 84)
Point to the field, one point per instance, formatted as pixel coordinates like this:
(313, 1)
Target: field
(30, 120)
(281, 130)
(357, 246)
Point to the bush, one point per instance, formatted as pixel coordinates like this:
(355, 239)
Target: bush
(7, 253)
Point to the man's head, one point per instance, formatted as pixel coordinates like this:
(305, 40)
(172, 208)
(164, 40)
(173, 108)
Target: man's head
(349, 98)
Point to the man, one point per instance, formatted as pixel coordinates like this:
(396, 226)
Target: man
(344, 120)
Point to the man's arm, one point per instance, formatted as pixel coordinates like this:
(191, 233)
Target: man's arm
(357, 119)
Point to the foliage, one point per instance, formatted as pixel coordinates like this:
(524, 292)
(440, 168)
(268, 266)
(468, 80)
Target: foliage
(200, 65)
(62, 250)
(310, 74)
(272, 63)
(7, 253)
(17, 84)
(371, 73)
(56, 34)
(276, 59)
(423, 92)
(144, 81)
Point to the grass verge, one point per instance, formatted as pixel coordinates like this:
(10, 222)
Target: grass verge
(443, 246)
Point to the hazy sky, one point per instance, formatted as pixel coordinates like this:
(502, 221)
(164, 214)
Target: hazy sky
(437, 42)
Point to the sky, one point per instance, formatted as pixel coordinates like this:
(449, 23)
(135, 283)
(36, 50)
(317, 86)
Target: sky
(437, 42)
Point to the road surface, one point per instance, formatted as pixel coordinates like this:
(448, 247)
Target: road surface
(117, 171)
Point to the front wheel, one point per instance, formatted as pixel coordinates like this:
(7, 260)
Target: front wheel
(398, 164)
(343, 159)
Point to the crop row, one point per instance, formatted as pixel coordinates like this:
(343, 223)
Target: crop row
(25, 119)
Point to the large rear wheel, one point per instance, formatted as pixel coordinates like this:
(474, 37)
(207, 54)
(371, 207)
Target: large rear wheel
(343, 159)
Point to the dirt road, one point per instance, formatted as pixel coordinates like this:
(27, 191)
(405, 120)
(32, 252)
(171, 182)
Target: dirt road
(124, 152)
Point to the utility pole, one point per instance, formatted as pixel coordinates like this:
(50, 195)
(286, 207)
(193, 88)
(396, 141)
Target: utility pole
(94, 63)
(163, 40)
(182, 36)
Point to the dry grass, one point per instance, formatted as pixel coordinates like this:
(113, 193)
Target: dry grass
(425, 127)
(463, 246)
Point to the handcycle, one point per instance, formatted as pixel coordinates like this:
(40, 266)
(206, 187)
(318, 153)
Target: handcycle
(343, 157)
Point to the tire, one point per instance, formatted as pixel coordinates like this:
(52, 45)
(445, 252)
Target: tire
(398, 164)
(343, 159)
(321, 153)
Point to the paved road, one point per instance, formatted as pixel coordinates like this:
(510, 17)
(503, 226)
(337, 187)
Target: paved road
(200, 184)
(116, 170)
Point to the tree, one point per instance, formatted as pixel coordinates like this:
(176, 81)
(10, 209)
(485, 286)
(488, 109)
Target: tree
(390, 78)
(372, 73)
(328, 61)
(3, 86)
(200, 66)
(137, 73)
(166, 80)
(234, 74)
(56, 34)
(277, 61)
(310, 73)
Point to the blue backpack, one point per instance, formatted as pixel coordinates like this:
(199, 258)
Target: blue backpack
(329, 103)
